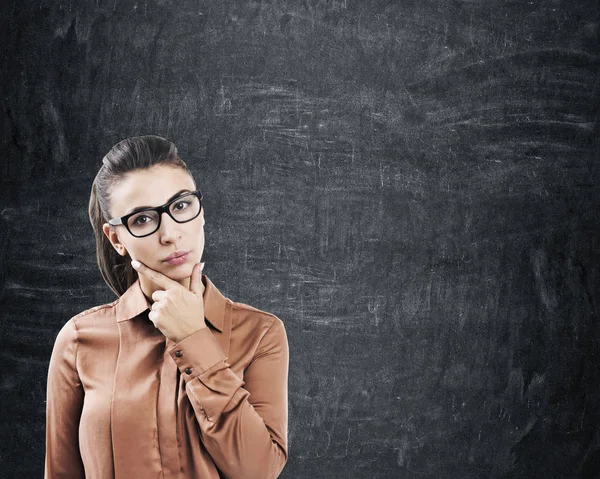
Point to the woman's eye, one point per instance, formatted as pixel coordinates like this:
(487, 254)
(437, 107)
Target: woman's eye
(181, 205)
(142, 220)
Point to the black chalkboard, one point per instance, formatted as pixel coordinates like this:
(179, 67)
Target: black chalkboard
(412, 187)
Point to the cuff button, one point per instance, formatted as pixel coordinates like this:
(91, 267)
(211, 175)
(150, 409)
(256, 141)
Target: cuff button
(179, 353)
(188, 370)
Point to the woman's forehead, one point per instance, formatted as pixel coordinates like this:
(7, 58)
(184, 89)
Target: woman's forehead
(148, 187)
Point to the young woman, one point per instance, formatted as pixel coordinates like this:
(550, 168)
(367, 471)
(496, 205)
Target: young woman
(172, 379)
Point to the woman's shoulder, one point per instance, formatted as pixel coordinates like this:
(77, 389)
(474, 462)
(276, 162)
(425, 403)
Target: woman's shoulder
(246, 312)
(99, 309)
(94, 315)
(257, 322)
(96, 321)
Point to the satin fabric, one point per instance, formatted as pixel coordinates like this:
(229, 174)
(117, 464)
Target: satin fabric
(123, 401)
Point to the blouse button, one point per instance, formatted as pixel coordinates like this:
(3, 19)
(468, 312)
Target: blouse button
(188, 370)
(179, 353)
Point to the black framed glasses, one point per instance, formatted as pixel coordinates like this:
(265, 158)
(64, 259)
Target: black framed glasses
(146, 221)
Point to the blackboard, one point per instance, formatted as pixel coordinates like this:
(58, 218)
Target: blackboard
(412, 187)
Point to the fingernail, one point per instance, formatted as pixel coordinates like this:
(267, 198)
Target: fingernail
(202, 266)
(135, 264)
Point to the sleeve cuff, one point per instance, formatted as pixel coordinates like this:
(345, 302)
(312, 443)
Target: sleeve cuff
(197, 353)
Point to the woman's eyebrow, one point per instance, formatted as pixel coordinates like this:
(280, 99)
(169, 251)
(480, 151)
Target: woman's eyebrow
(139, 208)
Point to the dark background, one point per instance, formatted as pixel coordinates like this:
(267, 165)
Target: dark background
(411, 186)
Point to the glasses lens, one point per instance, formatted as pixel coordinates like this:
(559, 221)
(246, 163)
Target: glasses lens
(143, 223)
(185, 208)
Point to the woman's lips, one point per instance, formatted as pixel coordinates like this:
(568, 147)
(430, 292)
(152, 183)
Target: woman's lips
(177, 260)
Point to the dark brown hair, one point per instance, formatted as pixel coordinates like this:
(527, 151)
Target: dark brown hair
(135, 153)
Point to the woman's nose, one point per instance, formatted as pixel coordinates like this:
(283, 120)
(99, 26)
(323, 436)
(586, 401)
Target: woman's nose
(169, 229)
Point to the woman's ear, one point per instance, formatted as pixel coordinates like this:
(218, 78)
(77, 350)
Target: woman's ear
(112, 236)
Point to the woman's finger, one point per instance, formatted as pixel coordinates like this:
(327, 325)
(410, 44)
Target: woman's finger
(158, 278)
(196, 279)
(159, 295)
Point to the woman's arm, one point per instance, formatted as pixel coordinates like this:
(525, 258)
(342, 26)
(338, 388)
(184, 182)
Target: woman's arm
(243, 429)
(243, 423)
(64, 400)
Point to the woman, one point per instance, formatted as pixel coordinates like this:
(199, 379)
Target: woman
(172, 379)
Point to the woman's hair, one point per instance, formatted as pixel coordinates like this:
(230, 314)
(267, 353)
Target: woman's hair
(135, 153)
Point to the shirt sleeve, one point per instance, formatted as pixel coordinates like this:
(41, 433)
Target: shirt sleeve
(64, 400)
(243, 423)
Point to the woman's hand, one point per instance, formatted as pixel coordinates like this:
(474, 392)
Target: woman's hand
(177, 311)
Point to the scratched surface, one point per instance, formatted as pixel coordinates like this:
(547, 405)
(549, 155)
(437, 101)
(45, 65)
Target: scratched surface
(412, 187)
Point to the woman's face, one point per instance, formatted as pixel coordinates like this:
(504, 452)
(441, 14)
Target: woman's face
(155, 186)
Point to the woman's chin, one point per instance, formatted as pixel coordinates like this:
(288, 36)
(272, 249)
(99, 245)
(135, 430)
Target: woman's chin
(178, 273)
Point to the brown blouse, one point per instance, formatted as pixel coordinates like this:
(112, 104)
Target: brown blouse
(123, 401)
